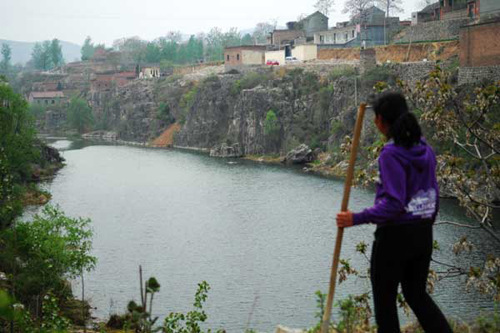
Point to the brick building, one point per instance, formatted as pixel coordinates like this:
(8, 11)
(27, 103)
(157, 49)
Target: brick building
(46, 97)
(480, 45)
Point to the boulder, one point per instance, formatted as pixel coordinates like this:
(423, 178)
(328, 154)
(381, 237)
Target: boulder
(300, 155)
(226, 151)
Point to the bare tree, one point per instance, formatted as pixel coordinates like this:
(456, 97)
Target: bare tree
(425, 3)
(261, 31)
(395, 5)
(357, 9)
(324, 6)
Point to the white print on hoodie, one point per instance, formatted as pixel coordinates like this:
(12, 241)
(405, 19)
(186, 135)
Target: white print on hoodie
(423, 204)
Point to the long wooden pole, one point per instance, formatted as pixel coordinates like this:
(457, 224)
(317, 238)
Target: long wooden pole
(340, 231)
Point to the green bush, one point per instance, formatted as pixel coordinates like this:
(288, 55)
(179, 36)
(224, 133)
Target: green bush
(249, 81)
(80, 115)
(187, 101)
(342, 71)
(379, 74)
(40, 254)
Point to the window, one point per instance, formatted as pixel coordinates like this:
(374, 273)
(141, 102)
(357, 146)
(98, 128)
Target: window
(46, 102)
(335, 38)
(353, 34)
(53, 102)
(346, 36)
(228, 57)
(450, 3)
(238, 57)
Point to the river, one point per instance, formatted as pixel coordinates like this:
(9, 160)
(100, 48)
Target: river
(262, 236)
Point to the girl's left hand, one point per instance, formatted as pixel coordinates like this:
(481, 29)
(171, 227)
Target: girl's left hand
(345, 219)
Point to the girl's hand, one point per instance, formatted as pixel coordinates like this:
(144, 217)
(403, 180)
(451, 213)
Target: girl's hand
(344, 219)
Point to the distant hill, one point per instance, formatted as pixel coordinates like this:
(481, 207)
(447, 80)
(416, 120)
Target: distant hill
(21, 51)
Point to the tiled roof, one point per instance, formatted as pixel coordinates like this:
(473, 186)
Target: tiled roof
(47, 94)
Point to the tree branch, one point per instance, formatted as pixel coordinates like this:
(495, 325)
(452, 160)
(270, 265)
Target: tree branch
(458, 224)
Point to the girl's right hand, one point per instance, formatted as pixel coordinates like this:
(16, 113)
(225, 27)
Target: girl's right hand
(345, 219)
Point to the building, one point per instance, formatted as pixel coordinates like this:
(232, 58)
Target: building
(273, 56)
(244, 55)
(430, 13)
(305, 52)
(149, 72)
(108, 81)
(281, 37)
(372, 27)
(451, 10)
(488, 9)
(313, 23)
(46, 97)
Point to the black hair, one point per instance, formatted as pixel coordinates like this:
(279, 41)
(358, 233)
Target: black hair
(403, 126)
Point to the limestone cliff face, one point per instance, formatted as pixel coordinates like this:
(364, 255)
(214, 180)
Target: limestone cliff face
(308, 110)
(236, 110)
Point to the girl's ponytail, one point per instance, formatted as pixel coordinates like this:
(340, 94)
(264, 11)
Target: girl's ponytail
(403, 126)
(406, 131)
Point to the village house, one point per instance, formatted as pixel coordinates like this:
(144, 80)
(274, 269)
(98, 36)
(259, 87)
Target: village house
(149, 72)
(370, 29)
(313, 23)
(246, 55)
(47, 86)
(299, 32)
(452, 10)
(46, 97)
(107, 81)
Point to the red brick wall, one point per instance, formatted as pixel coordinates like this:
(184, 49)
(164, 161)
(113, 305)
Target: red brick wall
(480, 45)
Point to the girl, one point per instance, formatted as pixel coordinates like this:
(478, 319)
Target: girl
(406, 205)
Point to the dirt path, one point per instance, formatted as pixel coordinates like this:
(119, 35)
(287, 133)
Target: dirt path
(166, 139)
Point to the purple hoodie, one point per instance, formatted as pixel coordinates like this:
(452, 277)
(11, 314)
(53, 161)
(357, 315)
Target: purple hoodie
(407, 190)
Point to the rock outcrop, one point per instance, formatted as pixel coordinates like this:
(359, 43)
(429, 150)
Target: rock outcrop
(300, 155)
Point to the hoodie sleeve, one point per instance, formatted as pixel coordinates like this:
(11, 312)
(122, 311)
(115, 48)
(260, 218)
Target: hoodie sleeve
(391, 203)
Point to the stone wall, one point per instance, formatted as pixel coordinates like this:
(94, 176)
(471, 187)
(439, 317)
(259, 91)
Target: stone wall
(412, 71)
(477, 74)
(368, 60)
(431, 31)
(397, 53)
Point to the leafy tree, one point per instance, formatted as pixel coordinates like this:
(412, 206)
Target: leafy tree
(41, 56)
(80, 114)
(6, 56)
(17, 135)
(40, 254)
(152, 53)
(88, 49)
(324, 6)
(247, 40)
(55, 51)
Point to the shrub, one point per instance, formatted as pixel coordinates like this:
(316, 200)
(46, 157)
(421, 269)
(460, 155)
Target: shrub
(249, 81)
(379, 74)
(47, 250)
(187, 101)
(342, 71)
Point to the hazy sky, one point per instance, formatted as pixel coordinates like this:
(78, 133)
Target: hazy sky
(107, 20)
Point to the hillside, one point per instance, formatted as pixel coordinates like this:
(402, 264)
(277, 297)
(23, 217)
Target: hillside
(21, 51)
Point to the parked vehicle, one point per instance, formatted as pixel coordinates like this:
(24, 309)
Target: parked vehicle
(292, 60)
(272, 63)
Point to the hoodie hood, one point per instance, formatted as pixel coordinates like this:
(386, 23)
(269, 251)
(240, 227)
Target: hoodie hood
(419, 156)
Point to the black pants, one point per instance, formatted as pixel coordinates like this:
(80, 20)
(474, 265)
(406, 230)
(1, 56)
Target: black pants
(401, 254)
